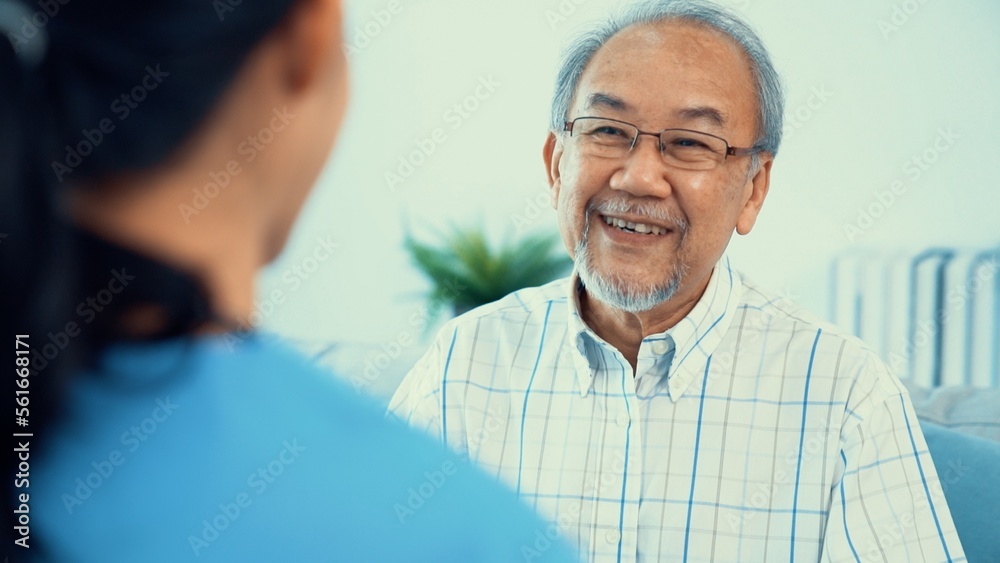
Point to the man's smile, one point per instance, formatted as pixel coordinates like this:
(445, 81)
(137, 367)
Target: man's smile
(629, 226)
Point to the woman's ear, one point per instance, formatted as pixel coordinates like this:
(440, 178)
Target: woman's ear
(310, 32)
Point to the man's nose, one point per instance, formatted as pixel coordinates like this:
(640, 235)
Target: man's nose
(643, 172)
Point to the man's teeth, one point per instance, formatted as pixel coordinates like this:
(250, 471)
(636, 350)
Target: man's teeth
(641, 228)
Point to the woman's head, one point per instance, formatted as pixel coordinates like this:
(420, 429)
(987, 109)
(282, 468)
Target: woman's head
(187, 131)
(197, 92)
(161, 123)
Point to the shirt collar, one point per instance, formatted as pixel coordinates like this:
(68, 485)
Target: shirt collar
(581, 337)
(695, 337)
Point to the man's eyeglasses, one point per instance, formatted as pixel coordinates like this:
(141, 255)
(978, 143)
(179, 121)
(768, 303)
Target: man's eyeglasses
(682, 148)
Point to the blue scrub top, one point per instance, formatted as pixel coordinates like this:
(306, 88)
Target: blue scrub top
(224, 448)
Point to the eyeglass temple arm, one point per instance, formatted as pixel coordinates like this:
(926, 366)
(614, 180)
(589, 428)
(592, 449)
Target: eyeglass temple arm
(733, 151)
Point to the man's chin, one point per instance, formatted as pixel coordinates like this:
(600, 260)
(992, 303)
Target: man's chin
(627, 295)
(618, 285)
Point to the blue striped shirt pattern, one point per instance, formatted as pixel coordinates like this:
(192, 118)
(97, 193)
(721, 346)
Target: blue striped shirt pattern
(750, 431)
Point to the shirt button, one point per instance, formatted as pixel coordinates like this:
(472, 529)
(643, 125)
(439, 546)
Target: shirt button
(623, 419)
(660, 347)
(613, 536)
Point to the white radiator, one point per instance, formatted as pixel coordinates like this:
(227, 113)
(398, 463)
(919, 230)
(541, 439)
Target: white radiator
(934, 317)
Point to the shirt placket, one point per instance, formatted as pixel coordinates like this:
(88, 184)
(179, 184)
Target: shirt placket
(633, 479)
(619, 483)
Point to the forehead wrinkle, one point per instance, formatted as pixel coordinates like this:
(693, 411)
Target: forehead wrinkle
(608, 101)
(704, 113)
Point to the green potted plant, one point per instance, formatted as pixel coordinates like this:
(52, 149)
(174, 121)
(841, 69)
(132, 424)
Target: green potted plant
(467, 272)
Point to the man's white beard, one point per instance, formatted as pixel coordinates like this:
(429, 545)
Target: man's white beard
(622, 294)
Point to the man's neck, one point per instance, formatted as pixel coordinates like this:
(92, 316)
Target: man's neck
(625, 330)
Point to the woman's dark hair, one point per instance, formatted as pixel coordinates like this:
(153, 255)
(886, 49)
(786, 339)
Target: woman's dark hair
(87, 90)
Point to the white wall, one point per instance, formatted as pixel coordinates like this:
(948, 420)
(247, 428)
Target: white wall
(888, 88)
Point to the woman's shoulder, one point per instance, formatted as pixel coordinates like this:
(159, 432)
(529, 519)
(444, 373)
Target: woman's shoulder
(234, 450)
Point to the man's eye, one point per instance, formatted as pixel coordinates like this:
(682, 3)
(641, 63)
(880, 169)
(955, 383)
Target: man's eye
(607, 131)
(687, 143)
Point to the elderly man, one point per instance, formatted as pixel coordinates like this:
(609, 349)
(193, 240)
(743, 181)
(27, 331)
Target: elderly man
(656, 405)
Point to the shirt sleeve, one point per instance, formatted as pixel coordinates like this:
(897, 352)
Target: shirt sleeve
(417, 401)
(888, 504)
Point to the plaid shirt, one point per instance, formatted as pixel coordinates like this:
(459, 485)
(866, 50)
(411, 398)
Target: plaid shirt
(750, 431)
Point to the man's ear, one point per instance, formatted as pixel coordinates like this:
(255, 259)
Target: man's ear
(552, 154)
(310, 30)
(758, 185)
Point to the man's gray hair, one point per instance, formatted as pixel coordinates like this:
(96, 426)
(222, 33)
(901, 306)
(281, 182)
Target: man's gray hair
(770, 96)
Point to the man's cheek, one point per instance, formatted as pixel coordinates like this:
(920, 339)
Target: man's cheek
(569, 229)
(574, 173)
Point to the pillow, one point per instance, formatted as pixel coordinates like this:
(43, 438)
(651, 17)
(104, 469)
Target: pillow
(966, 409)
(969, 470)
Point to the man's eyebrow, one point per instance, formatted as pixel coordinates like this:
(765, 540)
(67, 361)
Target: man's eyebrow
(694, 113)
(704, 113)
(600, 99)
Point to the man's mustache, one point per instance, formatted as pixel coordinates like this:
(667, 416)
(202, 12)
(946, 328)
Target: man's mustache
(655, 214)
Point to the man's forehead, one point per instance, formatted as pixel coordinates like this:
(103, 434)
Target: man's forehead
(608, 101)
(669, 69)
